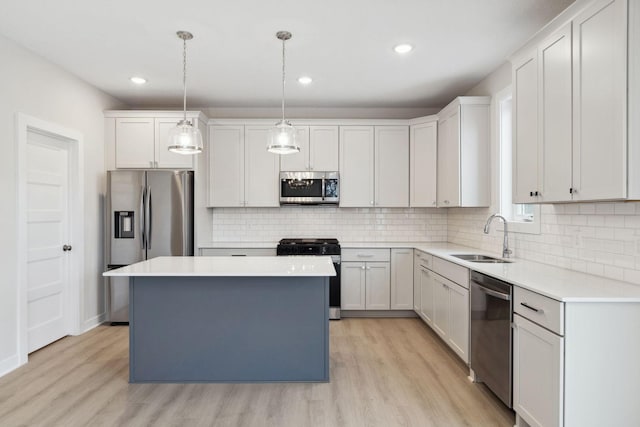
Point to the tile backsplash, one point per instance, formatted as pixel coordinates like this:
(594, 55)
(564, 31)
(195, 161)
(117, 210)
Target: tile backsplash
(346, 224)
(596, 238)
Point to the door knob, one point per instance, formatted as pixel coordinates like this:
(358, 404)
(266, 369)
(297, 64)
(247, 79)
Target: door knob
(66, 248)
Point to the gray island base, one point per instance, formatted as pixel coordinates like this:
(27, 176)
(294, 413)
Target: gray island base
(229, 329)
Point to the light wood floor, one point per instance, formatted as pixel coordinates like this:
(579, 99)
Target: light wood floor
(384, 372)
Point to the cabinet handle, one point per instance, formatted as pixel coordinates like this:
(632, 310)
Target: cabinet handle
(371, 202)
(530, 193)
(573, 190)
(150, 163)
(433, 203)
(446, 202)
(365, 255)
(362, 267)
(537, 310)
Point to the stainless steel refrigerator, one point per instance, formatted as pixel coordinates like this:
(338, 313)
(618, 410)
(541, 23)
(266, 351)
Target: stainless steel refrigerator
(149, 214)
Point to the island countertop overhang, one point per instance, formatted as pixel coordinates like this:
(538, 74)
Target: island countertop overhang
(202, 266)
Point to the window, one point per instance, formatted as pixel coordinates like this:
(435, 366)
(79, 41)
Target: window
(523, 218)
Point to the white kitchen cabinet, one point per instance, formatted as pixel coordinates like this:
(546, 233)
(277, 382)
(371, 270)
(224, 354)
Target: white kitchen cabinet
(451, 314)
(463, 153)
(402, 279)
(226, 166)
(417, 303)
(575, 98)
(319, 149)
(374, 166)
(242, 172)
(423, 157)
(537, 373)
(427, 286)
(261, 169)
(600, 101)
(141, 141)
(365, 285)
(356, 166)
(391, 166)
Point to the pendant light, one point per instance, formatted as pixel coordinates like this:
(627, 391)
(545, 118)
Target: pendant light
(282, 137)
(185, 138)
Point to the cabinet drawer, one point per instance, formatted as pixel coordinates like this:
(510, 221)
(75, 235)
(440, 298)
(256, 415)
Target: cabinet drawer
(238, 251)
(451, 271)
(542, 310)
(423, 259)
(365, 254)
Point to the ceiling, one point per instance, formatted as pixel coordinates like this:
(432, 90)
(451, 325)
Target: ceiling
(234, 59)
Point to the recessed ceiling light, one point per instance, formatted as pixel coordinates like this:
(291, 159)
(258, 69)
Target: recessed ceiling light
(138, 80)
(305, 80)
(403, 48)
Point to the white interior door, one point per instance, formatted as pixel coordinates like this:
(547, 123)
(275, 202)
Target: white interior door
(47, 234)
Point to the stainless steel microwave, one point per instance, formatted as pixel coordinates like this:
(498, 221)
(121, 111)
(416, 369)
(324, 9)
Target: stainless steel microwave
(309, 188)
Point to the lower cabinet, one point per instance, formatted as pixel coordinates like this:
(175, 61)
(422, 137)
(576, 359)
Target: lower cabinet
(402, 279)
(426, 295)
(365, 285)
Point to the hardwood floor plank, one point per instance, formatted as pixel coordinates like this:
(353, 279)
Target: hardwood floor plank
(384, 372)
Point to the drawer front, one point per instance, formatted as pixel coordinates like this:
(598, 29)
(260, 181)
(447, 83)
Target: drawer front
(451, 271)
(238, 251)
(542, 310)
(364, 254)
(424, 259)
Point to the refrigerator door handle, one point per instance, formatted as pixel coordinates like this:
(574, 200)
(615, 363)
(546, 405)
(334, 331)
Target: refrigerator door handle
(149, 217)
(143, 236)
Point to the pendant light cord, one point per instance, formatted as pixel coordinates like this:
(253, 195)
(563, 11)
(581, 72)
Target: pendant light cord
(184, 76)
(283, 77)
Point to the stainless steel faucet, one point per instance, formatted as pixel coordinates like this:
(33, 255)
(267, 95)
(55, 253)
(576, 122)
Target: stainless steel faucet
(505, 245)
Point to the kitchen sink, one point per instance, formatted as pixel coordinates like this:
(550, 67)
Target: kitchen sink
(481, 258)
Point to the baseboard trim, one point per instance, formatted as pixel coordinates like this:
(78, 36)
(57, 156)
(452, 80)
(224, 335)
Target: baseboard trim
(378, 313)
(93, 322)
(9, 364)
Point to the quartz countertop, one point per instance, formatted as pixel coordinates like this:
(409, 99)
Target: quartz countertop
(237, 245)
(258, 266)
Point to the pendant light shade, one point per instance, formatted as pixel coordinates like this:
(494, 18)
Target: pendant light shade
(282, 137)
(185, 138)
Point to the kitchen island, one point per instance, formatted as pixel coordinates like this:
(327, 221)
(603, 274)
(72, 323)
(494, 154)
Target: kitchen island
(238, 319)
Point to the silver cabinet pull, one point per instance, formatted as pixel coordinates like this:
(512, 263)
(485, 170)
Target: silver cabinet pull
(496, 294)
(66, 248)
(365, 255)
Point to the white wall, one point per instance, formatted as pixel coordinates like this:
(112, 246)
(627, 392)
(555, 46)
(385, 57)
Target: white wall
(597, 238)
(33, 86)
(345, 224)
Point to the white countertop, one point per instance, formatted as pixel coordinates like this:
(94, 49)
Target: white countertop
(237, 245)
(259, 266)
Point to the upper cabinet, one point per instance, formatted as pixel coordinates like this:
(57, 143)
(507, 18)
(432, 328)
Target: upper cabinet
(374, 166)
(575, 94)
(423, 162)
(463, 153)
(318, 150)
(242, 172)
(139, 139)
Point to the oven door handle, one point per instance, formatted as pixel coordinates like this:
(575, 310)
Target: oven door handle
(493, 293)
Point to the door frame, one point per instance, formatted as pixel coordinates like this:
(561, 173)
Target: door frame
(24, 125)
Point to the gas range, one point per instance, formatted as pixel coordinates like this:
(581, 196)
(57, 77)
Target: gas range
(318, 247)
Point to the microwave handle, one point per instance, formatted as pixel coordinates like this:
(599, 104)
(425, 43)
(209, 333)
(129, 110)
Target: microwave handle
(323, 188)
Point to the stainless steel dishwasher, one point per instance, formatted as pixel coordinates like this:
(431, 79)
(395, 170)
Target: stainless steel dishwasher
(491, 314)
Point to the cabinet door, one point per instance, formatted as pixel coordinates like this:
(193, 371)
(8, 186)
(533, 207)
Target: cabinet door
(554, 65)
(378, 285)
(391, 166)
(417, 299)
(401, 279)
(324, 148)
(261, 169)
(352, 285)
(458, 333)
(449, 160)
(600, 101)
(226, 166)
(525, 129)
(356, 166)
(164, 157)
(423, 162)
(135, 143)
(537, 374)
(298, 161)
(440, 305)
(427, 285)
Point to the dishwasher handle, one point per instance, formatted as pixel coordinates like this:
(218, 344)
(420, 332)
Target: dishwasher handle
(493, 293)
